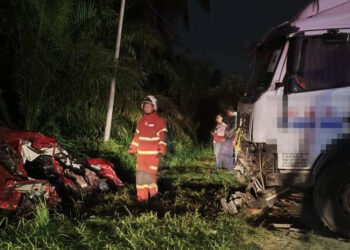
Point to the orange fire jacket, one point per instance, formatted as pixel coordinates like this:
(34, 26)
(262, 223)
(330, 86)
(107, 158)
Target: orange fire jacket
(149, 137)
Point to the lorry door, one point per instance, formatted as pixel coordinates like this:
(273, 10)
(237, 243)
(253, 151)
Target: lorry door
(315, 110)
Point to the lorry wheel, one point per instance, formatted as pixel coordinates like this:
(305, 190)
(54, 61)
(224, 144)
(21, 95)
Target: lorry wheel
(332, 197)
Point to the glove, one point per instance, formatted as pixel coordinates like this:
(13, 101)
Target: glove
(160, 154)
(131, 152)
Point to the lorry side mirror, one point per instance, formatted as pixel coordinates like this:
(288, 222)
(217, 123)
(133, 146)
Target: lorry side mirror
(294, 55)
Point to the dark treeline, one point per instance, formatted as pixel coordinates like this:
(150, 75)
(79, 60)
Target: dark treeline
(57, 64)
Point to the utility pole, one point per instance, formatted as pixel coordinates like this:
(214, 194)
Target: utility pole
(112, 88)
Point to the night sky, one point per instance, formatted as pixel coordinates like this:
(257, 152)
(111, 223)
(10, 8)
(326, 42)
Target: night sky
(219, 37)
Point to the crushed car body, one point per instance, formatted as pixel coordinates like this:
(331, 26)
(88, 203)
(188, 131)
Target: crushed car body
(34, 167)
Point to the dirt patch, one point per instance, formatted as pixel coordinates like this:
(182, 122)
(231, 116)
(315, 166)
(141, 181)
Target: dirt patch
(294, 213)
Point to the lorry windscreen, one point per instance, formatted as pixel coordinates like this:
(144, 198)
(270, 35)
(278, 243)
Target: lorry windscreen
(265, 60)
(324, 63)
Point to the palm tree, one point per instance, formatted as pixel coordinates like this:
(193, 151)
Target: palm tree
(62, 61)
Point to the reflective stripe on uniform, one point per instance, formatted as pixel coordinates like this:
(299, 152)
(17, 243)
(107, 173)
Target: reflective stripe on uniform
(162, 130)
(161, 142)
(153, 167)
(143, 138)
(153, 185)
(135, 143)
(140, 152)
(142, 186)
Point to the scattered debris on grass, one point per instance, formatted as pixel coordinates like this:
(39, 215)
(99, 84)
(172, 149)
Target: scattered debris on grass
(34, 167)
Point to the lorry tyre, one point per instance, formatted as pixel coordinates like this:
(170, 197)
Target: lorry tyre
(332, 196)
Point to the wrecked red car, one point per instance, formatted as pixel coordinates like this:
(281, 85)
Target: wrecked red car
(34, 167)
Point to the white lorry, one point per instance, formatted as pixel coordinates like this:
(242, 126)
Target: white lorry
(297, 122)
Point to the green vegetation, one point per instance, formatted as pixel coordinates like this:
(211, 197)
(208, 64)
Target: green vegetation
(144, 231)
(185, 215)
(56, 66)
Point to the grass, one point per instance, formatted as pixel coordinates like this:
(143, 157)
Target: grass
(186, 215)
(137, 232)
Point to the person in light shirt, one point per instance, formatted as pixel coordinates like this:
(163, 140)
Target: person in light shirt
(218, 139)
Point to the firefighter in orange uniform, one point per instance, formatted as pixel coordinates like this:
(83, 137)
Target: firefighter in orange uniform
(149, 146)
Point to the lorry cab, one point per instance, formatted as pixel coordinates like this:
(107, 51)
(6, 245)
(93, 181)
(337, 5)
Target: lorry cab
(297, 118)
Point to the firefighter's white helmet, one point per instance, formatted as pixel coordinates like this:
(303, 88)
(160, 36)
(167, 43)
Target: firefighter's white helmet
(150, 99)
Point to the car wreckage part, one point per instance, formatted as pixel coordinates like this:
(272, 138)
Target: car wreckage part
(256, 163)
(33, 167)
